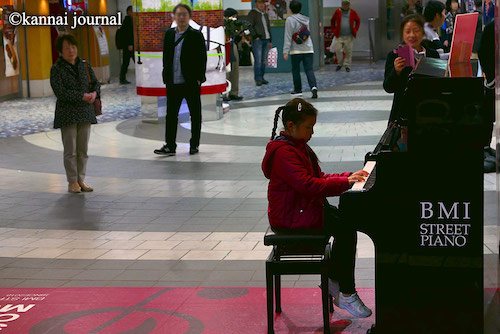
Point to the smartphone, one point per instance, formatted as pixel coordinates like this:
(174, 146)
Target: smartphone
(405, 51)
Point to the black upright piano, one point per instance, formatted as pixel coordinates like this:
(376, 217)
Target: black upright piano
(422, 205)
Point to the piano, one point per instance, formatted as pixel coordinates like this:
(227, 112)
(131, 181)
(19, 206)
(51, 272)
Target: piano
(422, 205)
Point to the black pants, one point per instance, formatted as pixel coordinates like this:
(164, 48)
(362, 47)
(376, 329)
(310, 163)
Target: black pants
(344, 250)
(488, 114)
(127, 55)
(175, 95)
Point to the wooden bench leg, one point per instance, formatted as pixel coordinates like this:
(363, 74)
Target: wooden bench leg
(277, 289)
(326, 271)
(269, 291)
(325, 303)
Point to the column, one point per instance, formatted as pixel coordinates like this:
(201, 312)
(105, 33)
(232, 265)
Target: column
(39, 51)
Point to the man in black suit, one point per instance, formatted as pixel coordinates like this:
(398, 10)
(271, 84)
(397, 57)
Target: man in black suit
(128, 48)
(184, 65)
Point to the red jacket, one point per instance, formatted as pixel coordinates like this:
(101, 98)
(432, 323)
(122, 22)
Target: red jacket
(297, 186)
(353, 19)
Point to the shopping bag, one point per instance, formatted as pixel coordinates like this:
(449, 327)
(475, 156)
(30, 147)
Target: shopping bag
(272, 58)
(332, 46)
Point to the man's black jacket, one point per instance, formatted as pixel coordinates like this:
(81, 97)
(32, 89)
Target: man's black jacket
(193, 57)
(486, 51)
(128, 32)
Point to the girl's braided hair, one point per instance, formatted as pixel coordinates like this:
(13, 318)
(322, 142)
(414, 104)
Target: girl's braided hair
(294, 111)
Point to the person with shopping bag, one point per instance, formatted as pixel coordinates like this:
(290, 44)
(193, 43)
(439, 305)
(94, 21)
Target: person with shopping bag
(299, 45)
(345, 24)
(260, 31)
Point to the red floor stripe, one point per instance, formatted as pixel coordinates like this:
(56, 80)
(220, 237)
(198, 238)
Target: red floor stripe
(166, 310)
(169, 310)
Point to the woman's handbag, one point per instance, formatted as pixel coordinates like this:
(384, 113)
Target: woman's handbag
(97, 101)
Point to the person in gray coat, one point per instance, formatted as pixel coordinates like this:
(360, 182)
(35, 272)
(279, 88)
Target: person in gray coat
(74, 108)
(299, 53)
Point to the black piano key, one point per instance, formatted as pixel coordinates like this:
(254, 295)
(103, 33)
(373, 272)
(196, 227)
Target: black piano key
(371, 179)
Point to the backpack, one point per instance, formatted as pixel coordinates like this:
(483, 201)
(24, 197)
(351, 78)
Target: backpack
(302, 35)
(119, 39)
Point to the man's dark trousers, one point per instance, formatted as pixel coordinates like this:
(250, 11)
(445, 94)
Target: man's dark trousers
(175, 95)
(127, 55)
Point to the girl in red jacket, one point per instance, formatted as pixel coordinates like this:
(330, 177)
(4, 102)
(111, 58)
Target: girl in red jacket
(297, 197)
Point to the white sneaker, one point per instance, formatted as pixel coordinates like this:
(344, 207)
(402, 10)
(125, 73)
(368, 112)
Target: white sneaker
(354, 305)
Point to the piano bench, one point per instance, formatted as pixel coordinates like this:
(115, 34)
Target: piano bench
(296, 254)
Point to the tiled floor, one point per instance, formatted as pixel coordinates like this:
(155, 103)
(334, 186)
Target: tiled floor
(183, 221)
(208, 207)
(121, 101)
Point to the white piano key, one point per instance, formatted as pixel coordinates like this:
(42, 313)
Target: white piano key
(367, 168)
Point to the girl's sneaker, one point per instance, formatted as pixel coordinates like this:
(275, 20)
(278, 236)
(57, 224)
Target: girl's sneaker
(354, 305)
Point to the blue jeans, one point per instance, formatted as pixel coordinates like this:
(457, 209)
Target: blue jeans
(307, 59)
(260, 48)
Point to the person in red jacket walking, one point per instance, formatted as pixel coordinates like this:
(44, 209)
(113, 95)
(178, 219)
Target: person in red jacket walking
(345, 24)
(297, 194)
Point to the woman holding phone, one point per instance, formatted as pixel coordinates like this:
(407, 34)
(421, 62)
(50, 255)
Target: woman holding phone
(398, 66)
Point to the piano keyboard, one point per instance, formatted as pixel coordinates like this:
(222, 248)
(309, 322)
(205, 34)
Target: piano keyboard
(369, 167)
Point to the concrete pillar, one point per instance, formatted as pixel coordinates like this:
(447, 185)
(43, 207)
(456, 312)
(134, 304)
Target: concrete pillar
(150, 108)
(211, 107)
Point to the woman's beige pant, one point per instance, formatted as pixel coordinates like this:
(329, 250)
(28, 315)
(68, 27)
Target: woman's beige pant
(75, 140)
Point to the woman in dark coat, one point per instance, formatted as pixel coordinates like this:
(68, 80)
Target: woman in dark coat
(74, 108)
(396, 71)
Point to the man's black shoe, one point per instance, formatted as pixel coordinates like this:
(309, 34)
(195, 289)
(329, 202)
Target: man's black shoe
(258, 83)
(164, 150)
(226, 98)
(265, 82)
(124, 82)
(193, 150)
(338, 68)
(347, 69)
(235, 98)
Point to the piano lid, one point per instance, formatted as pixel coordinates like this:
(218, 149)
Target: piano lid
(439, 68)
(431, 67)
